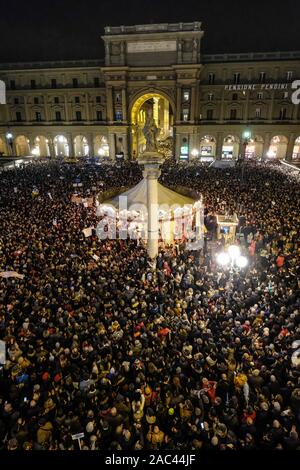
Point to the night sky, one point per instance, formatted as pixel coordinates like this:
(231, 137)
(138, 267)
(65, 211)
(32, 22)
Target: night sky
(71, 29)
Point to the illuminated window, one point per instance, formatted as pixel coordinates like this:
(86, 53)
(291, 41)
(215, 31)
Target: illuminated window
(118, 115)
(185, 114)
(210, 96)
(186, 95)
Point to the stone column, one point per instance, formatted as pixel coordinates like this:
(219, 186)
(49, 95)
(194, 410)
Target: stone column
(110, 107)
(152, 173)
(71, 146)
(90, 140)
(290, 147)
(267, 142)
(219, 145)
(124, 105)
(178, 104)
(112, 146)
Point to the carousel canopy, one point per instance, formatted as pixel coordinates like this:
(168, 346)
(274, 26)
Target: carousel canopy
(138, 195)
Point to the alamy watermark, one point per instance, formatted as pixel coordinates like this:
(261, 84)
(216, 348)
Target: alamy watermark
(168, 222)
(296, 94)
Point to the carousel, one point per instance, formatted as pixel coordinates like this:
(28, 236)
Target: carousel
(151, 211)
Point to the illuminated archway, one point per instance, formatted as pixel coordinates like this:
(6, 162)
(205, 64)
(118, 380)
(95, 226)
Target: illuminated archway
(230, 149)
(207, 146)
(296, 150)
(81, 146)
(254, 148)
(163, 115)
(101, 146)
(61, 146)
(3, 149)
(278, 147)
(22, 146)
(41, 147)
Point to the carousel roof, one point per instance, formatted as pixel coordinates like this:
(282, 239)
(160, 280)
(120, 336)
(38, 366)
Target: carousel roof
(138, 195)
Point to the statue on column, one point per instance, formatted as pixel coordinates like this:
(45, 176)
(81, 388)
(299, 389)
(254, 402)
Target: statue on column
(150, 131)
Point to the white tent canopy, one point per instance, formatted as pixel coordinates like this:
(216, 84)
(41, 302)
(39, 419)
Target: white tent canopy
(138, 196)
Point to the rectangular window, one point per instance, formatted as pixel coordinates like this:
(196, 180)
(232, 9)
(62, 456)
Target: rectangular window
(260, 95)
(118, 115)
(56, 99)
(53, 83)
(234, 97)
(282, 114)
(210, 114)
(98, 99)
(78, 116)
(77, 99)
(289, 75)
(36, 100)
(57, 115)
(18, 116)
(211, 78)
(285, 95)
(210, 96)
(75, 83)
(258, 112)
(233, 114)
(99, 115)
(33, 84)
(118, 97)
(12, 84)
(262, 77)
(16, 100)
(185, 115)
(96, 82)
(236, 78)
(38, 116)
(186, 95)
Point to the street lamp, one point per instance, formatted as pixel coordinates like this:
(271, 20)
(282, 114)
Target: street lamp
(9, 138)
(232, 256)
(194, 153)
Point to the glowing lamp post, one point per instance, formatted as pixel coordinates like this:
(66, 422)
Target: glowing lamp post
(232, 257)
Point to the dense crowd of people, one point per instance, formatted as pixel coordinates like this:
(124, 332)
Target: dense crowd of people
(188, 356)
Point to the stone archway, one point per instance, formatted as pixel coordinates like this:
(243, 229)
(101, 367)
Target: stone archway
(163, 114)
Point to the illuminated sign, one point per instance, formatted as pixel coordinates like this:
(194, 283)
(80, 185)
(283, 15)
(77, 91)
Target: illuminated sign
(258, 86)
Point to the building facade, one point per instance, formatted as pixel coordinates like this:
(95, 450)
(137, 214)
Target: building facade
(205, 106)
